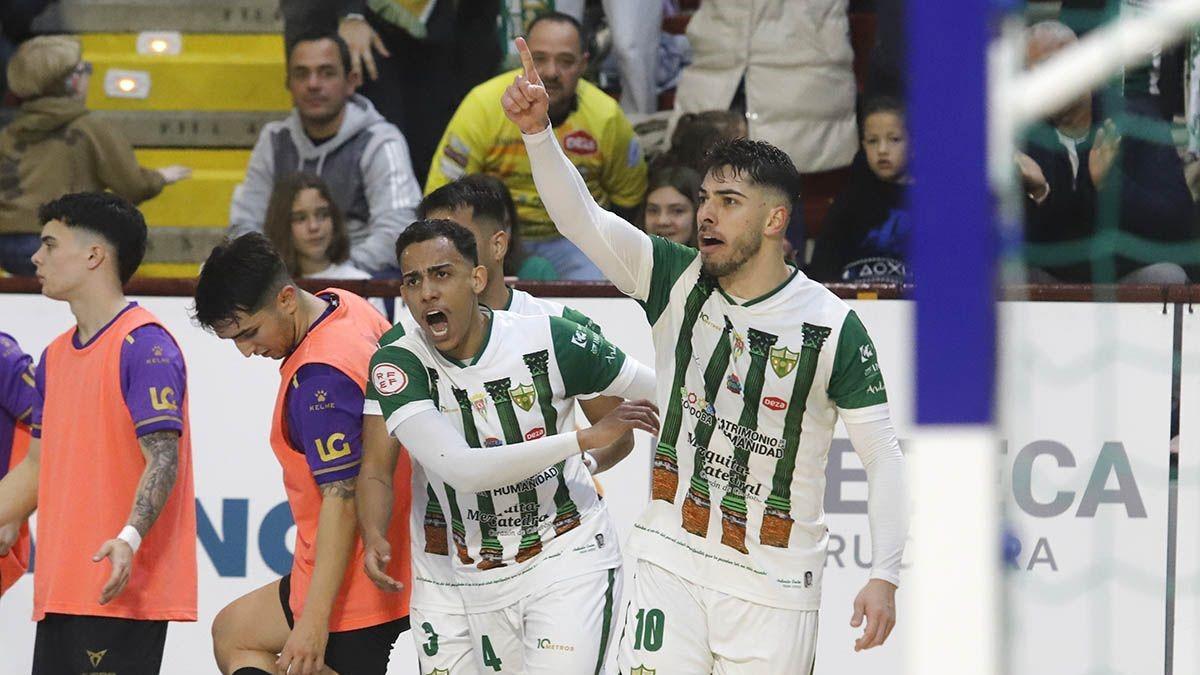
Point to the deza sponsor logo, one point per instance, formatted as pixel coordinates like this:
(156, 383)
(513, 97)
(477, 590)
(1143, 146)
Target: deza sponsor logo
(580, 142)
(1048, 480)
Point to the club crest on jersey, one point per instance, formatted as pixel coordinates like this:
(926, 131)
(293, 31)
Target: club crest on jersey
(388, 379)
(524, 395)
(439, 671)
(733, 384)
(479, 402)
(739, 345)
(643, 670)
(783, 360)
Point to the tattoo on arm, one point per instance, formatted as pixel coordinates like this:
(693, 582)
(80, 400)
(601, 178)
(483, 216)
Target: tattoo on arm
(342, 489)
(161, 449)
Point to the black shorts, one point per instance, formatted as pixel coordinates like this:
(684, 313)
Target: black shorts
(66, 643)
(365, 650)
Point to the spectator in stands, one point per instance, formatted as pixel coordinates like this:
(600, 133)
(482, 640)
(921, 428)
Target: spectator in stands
(309, 231)
(589, 124)
(794, 62)
(670, 211)
(696, 132)
(865, 236)
(416, 59)
(55, 146)
(1083, 176)
(483, 205)
(635, 26)
(338, 136)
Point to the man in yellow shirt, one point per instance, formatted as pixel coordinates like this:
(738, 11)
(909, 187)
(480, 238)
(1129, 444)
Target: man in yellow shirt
(591, 128)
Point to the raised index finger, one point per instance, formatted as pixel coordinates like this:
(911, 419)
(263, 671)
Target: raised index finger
(531, 72)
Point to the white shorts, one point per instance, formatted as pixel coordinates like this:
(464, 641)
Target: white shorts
(443, 642)
(674, 626)
(563, 629)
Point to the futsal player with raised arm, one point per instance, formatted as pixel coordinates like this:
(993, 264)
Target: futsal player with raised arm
(326, 612)
(18, 399)
(757, 363)
(112, 482)
(483, 401)
(482, 205)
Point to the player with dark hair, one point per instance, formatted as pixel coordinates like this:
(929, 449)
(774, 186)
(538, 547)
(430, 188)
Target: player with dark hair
(484, 402)
(483, 205)
(114, 468)
(757, 363)
(326, 612)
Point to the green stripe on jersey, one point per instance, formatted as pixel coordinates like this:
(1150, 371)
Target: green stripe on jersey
(672, 421)
(760, 347)
(538, 363)
(490, 551)
(527, 499)
(777, 517)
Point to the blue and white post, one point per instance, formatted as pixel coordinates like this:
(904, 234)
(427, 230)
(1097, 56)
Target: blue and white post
(952, 619)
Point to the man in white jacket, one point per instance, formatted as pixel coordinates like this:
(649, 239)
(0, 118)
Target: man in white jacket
(337, 135)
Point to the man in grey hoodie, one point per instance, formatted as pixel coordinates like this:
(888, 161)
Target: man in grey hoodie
(337, 135)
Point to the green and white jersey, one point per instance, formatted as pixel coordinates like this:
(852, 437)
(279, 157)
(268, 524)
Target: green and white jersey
(520, 302)
(750, 392)
(506, 543)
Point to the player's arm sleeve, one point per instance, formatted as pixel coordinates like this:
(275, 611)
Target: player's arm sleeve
(153, 380)
(643, 267)
(592, 366)
(463, 144)
(324, 414)
(39, 383)
(875, 441)
(248, 208)
(856, 381)
(400, 387)
(624, 176)
(392, 197)
(619, 249)
(576, 316)
(18, 390)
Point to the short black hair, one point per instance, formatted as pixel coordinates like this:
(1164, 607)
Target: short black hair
(561, 17)
(240, 275)
(427, 229)
(111, 217)
(316, 35)
(487, 196)
(763, 163)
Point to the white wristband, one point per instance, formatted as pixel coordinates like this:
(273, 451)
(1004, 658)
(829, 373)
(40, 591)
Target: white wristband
(590, 462)
(130, 535)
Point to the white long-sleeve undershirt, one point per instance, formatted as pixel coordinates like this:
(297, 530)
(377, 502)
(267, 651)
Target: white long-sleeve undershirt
(874, 440)
(441, 449)
(621, 251)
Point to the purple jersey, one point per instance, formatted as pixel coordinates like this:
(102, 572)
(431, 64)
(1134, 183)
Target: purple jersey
(18, 395)
(324, 401)
(153, 378)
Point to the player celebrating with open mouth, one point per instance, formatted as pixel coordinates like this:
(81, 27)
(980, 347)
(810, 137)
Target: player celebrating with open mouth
(758, 363)
(484, 400)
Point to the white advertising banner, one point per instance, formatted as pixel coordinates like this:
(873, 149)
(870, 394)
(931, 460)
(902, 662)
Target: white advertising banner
(1089, 590)
(1086, 400)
